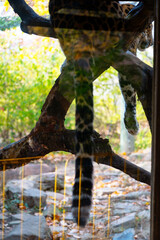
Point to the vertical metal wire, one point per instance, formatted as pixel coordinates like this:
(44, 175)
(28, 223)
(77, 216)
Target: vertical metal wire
(3, 209)
(55, 191)
(21, 204)
(109, 207)
(64, 200)
(54, 208)
(40, 199)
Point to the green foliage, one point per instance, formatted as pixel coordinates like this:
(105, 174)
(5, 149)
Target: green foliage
(106, 98)
(26, 77)
(9, 22)
(11, 204)
(143, 138)
(70, 117)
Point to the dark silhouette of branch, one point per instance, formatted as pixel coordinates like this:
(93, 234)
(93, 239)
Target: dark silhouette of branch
(31, 147)
(27, 14)
(32, 23)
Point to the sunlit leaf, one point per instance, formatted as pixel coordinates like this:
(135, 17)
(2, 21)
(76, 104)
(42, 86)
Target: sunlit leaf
(6, 4)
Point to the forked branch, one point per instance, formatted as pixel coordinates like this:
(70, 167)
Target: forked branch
(50, 135)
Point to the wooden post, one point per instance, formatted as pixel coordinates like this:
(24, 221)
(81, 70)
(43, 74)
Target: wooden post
(155, 208)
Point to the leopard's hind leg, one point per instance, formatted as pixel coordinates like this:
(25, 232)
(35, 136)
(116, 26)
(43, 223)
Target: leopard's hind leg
(129, 95)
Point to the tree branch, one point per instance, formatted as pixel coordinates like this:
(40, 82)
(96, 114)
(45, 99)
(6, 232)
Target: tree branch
(32, 23)
(27, 14)
(49, 133)
(31, 147)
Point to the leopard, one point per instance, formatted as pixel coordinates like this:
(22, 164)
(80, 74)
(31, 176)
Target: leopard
(82, 43)
(143, 41)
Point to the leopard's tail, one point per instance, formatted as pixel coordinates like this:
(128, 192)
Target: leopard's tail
(82, 189)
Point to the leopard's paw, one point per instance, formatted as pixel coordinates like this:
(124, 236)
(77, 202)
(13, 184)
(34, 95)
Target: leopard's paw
(131, 122)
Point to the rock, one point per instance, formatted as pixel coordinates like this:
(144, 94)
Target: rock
(47, 181)
(5, 217)
(143, 224)
(32, 196)
(136, 195)
(49, 211)
(131, 195)
(126, 235)
(34, 169)
(34, 227)
(52, 195)
(15, 187)
(69, 190)
(18, 216)
(70, 238)
(26, 216)
(125, 207)
(68, 216)
(146, 166)
(57, 229)
(109, 180)
(108, 174)
(136, 156)
(104, 191)
(100, 220)
(87, 236)
(13, 193)
(10, 174)
(144, 215)
(29, 169)
(28, 187)
(146, 155)
(144, 159)
(123, 223)
(14, 222)
(67, 208)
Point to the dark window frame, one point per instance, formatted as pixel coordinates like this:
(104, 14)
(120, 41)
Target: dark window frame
(155, 202)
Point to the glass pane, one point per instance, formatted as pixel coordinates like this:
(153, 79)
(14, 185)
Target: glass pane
(75, 112)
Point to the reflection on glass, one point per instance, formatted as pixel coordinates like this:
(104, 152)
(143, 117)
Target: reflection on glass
(98, 44)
